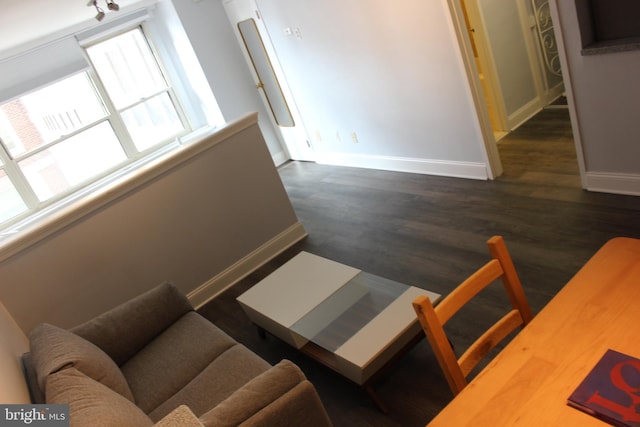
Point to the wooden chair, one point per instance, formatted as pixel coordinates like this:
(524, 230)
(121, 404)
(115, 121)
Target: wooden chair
(432, 320)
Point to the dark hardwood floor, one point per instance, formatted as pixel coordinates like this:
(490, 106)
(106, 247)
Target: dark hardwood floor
(430, 232)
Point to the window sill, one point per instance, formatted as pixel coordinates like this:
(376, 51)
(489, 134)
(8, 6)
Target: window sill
(612, 46)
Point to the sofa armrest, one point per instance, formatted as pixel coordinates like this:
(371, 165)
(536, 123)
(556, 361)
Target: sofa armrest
(124, 330)
(281, 396)
(180, 417)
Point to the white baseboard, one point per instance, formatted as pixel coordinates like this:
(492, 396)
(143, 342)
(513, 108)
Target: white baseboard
(247, 265)
(613, 183)
(280, 158)
(403, 164)
(524, 113)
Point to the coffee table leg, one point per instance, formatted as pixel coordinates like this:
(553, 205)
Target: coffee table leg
(376, 399)
(368, 386)
(261, 332)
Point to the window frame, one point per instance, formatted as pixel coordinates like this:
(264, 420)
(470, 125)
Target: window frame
(170, 90)
(37, 209)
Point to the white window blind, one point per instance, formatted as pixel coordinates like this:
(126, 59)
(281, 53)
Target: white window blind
(39, 67)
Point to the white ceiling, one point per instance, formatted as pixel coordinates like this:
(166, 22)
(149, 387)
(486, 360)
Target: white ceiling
(23, 22)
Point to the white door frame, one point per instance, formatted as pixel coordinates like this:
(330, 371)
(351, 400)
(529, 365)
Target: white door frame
(494, 164)
(492, 156)
(295, 137)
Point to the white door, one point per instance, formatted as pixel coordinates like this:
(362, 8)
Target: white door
(268, 76)
(509, 58)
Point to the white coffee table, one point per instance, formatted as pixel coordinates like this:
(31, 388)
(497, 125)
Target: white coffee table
(353, 322)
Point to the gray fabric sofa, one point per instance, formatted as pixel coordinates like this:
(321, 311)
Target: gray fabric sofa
(154, 360)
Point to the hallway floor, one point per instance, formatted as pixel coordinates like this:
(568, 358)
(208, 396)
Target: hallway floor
(542, 152)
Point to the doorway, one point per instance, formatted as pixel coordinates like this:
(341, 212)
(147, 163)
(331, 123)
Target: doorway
(508, 61)
(515, 56)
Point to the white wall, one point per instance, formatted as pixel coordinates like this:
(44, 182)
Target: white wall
(13, 388)
(202, 218)
(27, 24)
(390, 73)
(604, 97)
(215, 45)
(509, 53)
(182, 66)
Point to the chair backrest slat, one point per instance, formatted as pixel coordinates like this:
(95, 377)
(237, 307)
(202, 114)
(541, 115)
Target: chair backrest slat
(492, 337)
(433, 319)
(468, 289)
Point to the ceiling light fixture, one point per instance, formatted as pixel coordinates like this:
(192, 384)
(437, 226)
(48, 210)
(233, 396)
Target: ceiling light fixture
(111, 5)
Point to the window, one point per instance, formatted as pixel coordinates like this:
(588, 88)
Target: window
(11, 204)
(136, 86)
(76, 130)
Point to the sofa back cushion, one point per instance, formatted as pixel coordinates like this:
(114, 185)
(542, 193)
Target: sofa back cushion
(53, 349)
(91, 403)
(151, 312)
(171, 361)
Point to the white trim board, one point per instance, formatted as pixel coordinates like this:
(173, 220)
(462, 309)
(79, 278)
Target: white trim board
(242, 268)
(613, 183)
(280, 158)
(470, 170)
(524, 113)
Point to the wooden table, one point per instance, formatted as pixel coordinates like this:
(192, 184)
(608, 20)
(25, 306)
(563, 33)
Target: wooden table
(528, 383)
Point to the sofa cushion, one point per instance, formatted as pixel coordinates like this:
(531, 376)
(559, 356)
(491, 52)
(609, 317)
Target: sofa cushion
(182, 416)
(276, 397)
(91, 403)
(300, 404)
(151, 312)
(224, 375)
(54, 348)
(173, 359)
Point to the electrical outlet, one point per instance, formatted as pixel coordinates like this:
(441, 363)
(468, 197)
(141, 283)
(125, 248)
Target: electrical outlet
(354, 138)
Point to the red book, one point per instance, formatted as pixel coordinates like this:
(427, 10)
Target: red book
(611, 391)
